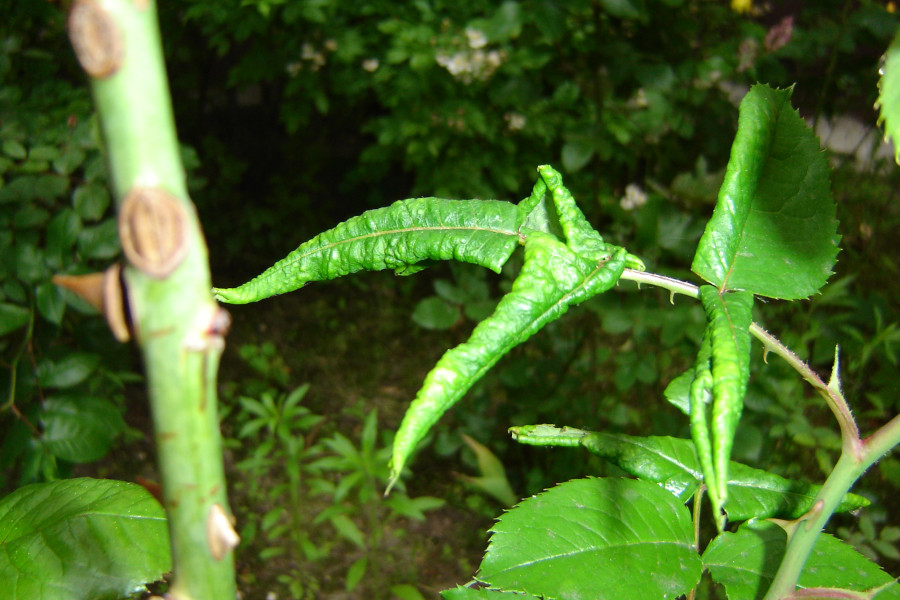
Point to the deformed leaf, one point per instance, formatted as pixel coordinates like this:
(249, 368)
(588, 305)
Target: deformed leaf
(745, 563)
(81, 538)
(889, 95)
(581, 237)
(729, 317)
(552, 279)
(564, 220)
(481, 232)
(672, 463)
(774, 230)
(594, 538)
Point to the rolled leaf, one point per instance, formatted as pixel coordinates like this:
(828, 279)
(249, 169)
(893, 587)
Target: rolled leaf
(564, 220)
(481, 232)
(673, 464)
(729, 318)
(552, 279)
(774, 230)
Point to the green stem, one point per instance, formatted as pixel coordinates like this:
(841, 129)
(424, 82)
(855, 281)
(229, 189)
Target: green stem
(803, 538)
(175, 320)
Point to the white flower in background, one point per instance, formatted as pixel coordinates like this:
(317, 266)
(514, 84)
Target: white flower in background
(370, 65)
(330, 45)
(458, 64)
(294, 68)
(514, 121)
(468, 65)
(476, 38)
(309, 53)
(635, 197)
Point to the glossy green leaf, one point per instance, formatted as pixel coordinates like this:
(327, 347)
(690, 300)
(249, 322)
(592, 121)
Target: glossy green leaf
(889, 95)
(463, 593)
(12, 317)
(80, 428)
(481, 232)
(673, 464)
(745, 563)
(774, 230)
(552, 279)
(729, 316)
(594, 538)
(81, 538)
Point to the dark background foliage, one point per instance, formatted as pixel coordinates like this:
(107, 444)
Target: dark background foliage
(296, 114)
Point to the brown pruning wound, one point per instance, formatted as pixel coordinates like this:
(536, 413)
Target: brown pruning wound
(96, 39)
(153, 230)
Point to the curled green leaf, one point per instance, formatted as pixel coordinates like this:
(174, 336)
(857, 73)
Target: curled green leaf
(547, 435)
(564, 220)
(723, 366)
(552, 279)
(481, 232)
(673, 464)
